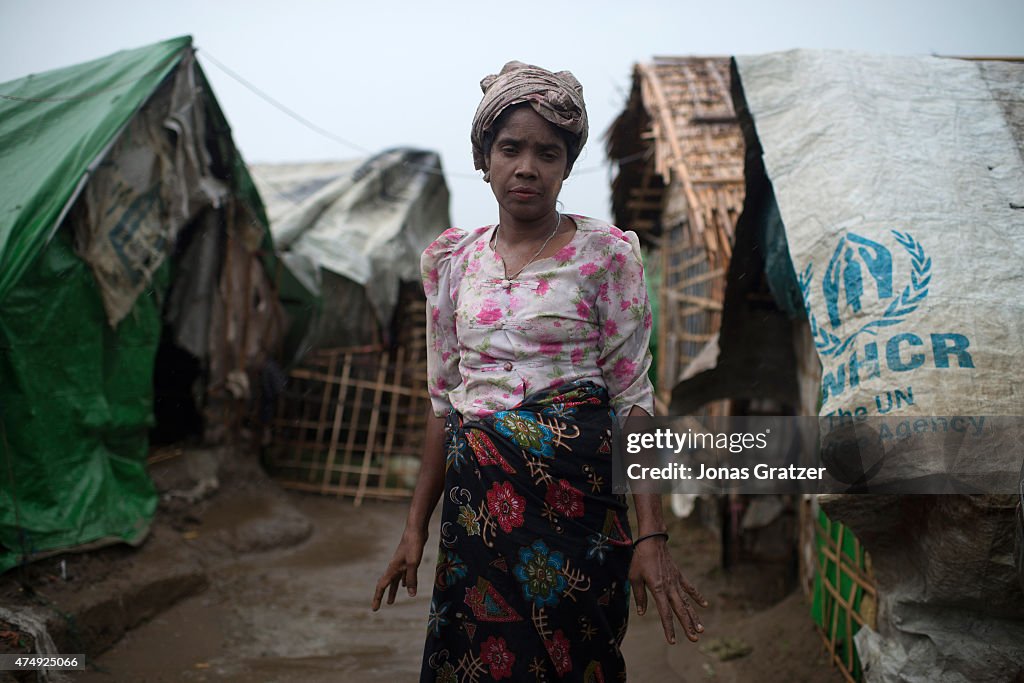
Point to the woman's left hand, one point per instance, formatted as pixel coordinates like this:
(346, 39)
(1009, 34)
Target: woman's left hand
(653, 568)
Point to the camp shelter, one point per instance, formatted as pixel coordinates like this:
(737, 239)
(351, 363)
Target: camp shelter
(351, 417)
(883, 208)
(138, 290)
(679, 152)
(679, 184)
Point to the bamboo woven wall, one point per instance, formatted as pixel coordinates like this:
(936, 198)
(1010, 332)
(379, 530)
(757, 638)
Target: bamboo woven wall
(680, 186)
(351, 420)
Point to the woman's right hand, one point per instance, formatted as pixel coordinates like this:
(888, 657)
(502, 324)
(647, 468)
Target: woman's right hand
(406, 560)
(402, 568)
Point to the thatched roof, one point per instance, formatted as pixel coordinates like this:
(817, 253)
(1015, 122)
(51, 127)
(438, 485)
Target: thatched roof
(680, 152)
(680, 186)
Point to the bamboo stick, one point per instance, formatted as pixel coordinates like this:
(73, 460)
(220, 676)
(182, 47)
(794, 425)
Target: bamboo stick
(371, 430)
(664, 113)
(325, 402)
(339, 411)
(389, 436)
(395, 493)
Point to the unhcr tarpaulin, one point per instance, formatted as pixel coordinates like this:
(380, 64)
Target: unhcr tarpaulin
(900, 186)
(107, 168)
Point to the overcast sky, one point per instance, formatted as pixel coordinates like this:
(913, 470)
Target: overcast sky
(388, 73)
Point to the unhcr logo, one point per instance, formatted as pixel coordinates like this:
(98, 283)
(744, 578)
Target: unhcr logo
(844, 291)
(865, 294)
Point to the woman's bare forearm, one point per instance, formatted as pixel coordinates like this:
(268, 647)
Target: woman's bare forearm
(431, 477)
(649, 517)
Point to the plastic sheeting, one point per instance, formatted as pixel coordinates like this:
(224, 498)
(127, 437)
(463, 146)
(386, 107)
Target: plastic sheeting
(56, 127)
(151, 185)
(75, 395)
(356, 231)
(897, 180)
(110, 164)
(76, 402)
(900, 185)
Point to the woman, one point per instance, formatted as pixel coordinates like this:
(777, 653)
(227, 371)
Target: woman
(538, 331)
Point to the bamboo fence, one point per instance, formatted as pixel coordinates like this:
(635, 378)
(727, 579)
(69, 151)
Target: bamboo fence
(351, 420)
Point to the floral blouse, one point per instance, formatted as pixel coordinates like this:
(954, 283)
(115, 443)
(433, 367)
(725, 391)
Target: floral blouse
(581, 314)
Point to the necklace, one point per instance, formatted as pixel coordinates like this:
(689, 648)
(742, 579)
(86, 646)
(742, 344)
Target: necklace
(509, 278)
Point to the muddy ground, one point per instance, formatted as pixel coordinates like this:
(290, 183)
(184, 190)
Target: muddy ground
(253, 583)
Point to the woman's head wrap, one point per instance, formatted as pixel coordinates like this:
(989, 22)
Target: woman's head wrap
(558, 97)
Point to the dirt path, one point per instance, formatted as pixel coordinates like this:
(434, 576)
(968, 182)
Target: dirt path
(298, 614)
(301, 614)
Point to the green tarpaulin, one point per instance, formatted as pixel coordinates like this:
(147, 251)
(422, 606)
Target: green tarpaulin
(53, 127)
(76, 394)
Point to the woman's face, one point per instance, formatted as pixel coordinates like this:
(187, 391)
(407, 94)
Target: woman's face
(527, 164)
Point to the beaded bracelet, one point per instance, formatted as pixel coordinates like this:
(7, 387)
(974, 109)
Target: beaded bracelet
(663, 534)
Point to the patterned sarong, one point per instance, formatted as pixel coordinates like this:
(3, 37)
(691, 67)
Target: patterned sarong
(531, 579)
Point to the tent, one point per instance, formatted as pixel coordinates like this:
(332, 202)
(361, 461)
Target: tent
(130, 231)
